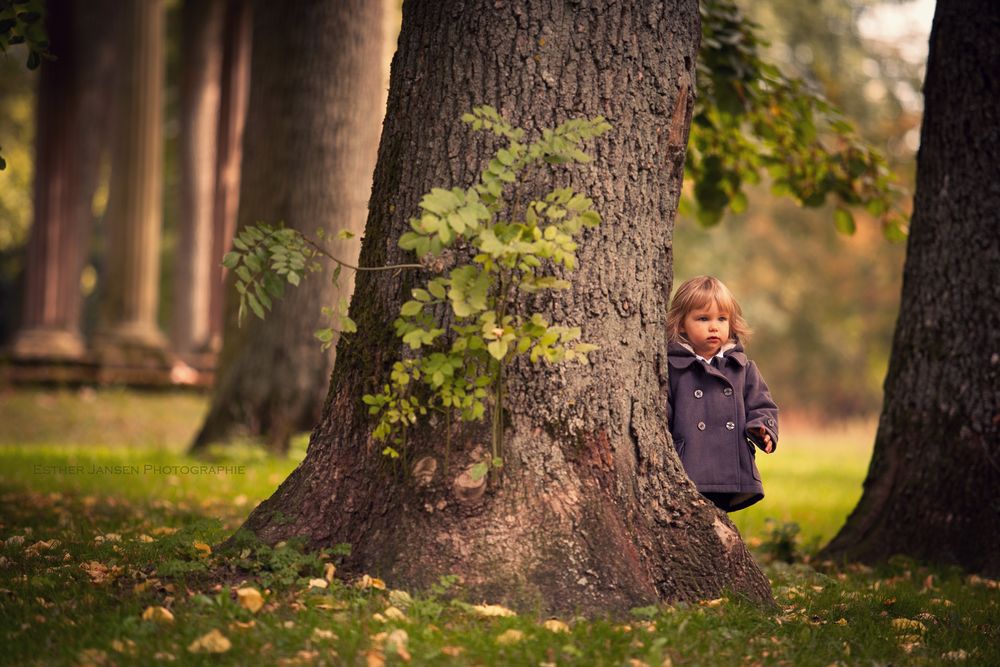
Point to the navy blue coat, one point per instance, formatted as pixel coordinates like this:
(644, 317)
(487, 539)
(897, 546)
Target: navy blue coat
(710, 410)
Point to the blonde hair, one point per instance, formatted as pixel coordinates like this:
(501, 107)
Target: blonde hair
(699, 292)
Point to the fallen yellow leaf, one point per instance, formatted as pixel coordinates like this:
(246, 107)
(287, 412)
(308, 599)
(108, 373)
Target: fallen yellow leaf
(555, 625)
(158, 614)
(318, 583)
(163, 530)
(243, 625)
(328, 571)
(491, 610)
(203, 549)
(400, 599)
(100, 573)
(452, 651)
(126, 646)
(394, 614)
(374, 658)
(250, 598)
(508, 637)
(370, 582)
(397, 641)
(212, 642)
(908, 624)
(319, 633)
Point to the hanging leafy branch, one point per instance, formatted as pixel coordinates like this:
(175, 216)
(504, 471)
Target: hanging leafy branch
(21, 22)
(463, 328)
(750, 119)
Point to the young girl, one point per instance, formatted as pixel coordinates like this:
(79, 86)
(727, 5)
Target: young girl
(719, 408)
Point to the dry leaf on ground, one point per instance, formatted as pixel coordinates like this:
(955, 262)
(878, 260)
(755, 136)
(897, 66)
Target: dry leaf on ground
(158, 614)
(491, 610)
(508, 637)
(250, 598)
(212, 642)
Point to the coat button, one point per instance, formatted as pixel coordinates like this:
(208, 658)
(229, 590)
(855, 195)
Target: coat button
(727, 391)
(770, 422)
(701, 426)
(730, 425)
(698, 393)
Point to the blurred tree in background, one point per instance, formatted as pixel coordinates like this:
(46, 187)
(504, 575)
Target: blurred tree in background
(822, 304)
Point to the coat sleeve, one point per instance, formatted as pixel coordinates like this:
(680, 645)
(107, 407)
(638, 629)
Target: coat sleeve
(760, 407)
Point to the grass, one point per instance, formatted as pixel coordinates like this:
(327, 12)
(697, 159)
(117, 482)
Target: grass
(84, 554)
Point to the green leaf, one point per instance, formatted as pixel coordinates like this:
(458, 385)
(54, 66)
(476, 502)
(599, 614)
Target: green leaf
(293, 278)
(324, 335)
(420, 294)
(497, 349)
(844, 221)
(231, 259)
(345, 234)
(478, 471)
(439, 201)
(436, 288)
(347, 325)
(255, 306)
(411, 308)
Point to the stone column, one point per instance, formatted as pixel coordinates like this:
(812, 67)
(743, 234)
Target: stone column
(129, 332)
(50, 328)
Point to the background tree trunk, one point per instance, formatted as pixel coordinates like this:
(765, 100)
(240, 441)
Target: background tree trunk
(592, 510)
(308, 154)
(229, 154)
(200, 96)
(931, 490)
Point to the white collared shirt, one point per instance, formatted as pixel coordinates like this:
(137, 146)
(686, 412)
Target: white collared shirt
(718, 356)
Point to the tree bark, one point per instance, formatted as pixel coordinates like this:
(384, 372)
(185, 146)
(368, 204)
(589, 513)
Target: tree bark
(309, 150)
(931, 488)
(592, 510)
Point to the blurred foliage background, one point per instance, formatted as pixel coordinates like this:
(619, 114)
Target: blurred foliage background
(823, 305)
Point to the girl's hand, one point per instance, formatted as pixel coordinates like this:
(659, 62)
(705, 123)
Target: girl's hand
(766, 437)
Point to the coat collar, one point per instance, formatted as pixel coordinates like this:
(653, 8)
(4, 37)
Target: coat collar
(681, 355)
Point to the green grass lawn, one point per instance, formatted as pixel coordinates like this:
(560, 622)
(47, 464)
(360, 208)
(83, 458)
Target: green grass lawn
(86, 549)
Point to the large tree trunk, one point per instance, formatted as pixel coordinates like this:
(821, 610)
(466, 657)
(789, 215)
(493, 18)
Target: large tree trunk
(931, 490)
(592, 509)
(308, 154)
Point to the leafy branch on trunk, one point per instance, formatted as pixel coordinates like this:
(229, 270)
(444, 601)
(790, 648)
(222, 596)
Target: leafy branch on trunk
(514, 252)
(750, 119)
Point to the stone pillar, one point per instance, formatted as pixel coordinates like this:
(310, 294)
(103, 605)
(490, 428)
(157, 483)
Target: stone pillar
(50, 327)
(129, 332)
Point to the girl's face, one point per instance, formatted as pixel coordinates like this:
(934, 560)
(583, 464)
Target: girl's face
(707, 328)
